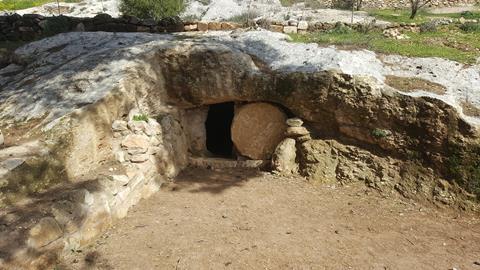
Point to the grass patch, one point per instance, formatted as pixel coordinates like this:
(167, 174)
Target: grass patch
(448, 42)
(140, 117)
(379, 133)
(403, 15)
(471, 27)
(23, 4)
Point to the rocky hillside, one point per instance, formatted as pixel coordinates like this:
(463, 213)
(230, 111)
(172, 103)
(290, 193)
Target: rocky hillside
(106, 118)
(213, 10)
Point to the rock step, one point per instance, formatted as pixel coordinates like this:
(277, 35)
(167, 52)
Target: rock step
(219, 163)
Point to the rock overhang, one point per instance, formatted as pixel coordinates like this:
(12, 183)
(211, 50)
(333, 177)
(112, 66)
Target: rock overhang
(75, 61)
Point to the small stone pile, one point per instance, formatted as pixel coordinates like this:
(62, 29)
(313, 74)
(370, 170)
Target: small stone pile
(297, 131)
(33, 26)
(394, 33)
(213, 26)
(289, 27)
(284, 159)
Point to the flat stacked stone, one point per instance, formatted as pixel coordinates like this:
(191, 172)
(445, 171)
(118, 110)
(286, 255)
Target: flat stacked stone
(297, 131)
(139, 139)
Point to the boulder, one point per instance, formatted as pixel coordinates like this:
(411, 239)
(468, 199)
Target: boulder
(302, 25)
(290, 29)
(214, 26)
(191, 27)
(139, 158)
(202, 26)
(137, 126)
(120, 156)
(284, 158)
(257, 129)
(303, 138)
(276, 28)
(153, 127)
(229, 26)
(120, 179)
(136, 144)
(2, 138)
(119, 125)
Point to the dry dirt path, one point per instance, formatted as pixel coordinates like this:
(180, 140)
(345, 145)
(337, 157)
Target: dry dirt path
(251, 220)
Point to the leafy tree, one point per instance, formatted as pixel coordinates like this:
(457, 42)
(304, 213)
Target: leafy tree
(152, 9)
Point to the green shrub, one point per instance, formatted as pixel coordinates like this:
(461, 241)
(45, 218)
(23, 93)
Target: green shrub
(152, 9)
(140, 117)
(379, 133)
(340, 28)
(470, 27)
(366, 27)
(245, 17)
(56, 25)
(470, 15)
(343, 4)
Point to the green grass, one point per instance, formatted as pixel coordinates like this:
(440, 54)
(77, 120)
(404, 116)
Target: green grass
(403, 15)
(23, 4)
(449, 42)
(140, 117)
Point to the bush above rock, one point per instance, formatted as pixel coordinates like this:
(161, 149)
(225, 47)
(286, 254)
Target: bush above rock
(152, 9)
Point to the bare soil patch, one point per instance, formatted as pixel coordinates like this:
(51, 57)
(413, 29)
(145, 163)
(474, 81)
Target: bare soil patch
(244, 219)
(407, 84)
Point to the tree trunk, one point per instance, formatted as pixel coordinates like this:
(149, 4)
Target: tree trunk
(414, 12)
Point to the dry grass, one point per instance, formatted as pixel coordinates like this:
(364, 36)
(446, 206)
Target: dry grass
(469, 109)
(409, 84)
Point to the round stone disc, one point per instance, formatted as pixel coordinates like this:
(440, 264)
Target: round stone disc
(257, 129)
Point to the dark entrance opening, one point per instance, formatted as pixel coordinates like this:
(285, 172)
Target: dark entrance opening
(218, 126)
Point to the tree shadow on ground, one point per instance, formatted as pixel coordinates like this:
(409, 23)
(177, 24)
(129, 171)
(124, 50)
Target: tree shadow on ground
(213, 181)
(16, 220)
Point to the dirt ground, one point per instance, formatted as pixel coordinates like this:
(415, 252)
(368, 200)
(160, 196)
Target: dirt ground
(239, 219)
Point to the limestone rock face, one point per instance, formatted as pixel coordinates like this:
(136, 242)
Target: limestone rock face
(283, 159)
(319, 161)
(119, 125)
(69, 88)
(257, 129)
